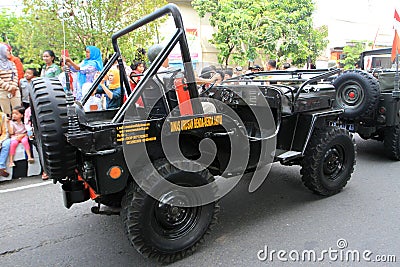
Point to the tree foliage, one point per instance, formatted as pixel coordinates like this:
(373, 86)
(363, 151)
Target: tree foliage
(7, 23)
(86, 22)
(278, 29)
(351, 53)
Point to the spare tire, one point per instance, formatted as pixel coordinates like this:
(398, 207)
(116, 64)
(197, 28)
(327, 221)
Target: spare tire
(50, 123)
(357, 92)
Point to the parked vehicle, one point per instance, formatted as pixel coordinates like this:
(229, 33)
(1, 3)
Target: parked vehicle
(371, 101)
(166, 161)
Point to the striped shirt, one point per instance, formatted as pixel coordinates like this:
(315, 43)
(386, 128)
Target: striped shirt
(9, 79)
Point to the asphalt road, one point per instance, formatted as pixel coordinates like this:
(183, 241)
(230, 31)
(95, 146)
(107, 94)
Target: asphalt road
(36, 229)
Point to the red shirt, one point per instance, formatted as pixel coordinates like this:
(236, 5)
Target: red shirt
(20, 67)
(133, 86)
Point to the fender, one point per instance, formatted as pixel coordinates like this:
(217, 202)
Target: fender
(315, 120)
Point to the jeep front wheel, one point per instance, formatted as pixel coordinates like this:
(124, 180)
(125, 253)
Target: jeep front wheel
(328, 161)
(160, 229)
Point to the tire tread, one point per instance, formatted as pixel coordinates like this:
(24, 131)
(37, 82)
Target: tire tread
(314, 155)
(132, 203)
(50, 121)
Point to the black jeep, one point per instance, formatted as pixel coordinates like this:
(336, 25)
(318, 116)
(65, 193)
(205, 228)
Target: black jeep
(167, 155)
(371, 101)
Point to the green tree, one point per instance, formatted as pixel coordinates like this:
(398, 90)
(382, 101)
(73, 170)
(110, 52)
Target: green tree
(279, 29)
(235, 22)
(7, 23)
(298, 40)
(87, 22)
(352, 53)
(318, 42)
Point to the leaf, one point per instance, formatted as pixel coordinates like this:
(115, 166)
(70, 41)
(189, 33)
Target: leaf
(246, 30)
(87, 22)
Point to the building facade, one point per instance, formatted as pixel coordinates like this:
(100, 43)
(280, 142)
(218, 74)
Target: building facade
(199, 32)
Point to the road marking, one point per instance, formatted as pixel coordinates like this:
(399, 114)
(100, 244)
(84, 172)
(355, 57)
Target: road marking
(24, 187)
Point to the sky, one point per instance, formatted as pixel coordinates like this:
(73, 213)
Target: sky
(13, 5)
(347, 20)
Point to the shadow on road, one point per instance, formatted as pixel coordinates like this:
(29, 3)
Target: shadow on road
(371, 150)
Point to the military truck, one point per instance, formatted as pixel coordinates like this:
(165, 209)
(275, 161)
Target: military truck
(169, 153)
(371, 101)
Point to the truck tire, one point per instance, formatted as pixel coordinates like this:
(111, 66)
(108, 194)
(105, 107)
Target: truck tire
(166, 232)
(392, 142)
(357, 92)
(328, 161)
(50, 123)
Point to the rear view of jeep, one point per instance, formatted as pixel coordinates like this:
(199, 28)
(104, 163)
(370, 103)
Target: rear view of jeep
(370, 98)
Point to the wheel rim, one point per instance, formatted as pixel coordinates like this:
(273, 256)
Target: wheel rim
(350, 94)
(171, 219)
(334, 163)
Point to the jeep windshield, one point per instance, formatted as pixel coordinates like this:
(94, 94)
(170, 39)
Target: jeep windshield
(377, 59)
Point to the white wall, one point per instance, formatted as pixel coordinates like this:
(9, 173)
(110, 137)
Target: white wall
(207, 52)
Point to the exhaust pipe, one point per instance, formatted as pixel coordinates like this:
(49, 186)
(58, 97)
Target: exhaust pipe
(74, 192)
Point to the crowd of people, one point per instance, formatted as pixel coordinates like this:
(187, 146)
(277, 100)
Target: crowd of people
(15, 84)
(10, 100)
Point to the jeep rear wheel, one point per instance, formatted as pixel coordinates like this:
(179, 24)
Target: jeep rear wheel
(357, 92)
(392, 142)
(50, 123)
(328, 161)
(160, 229)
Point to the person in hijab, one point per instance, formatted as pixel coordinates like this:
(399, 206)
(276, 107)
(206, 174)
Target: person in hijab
(10, 96)
(112, 90)
(17, 62)
(87, 68)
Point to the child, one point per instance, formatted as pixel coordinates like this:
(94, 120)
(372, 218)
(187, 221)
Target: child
(18, 134)
(112, 90)
(25, 85)
(29, 131)
(4, 144)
